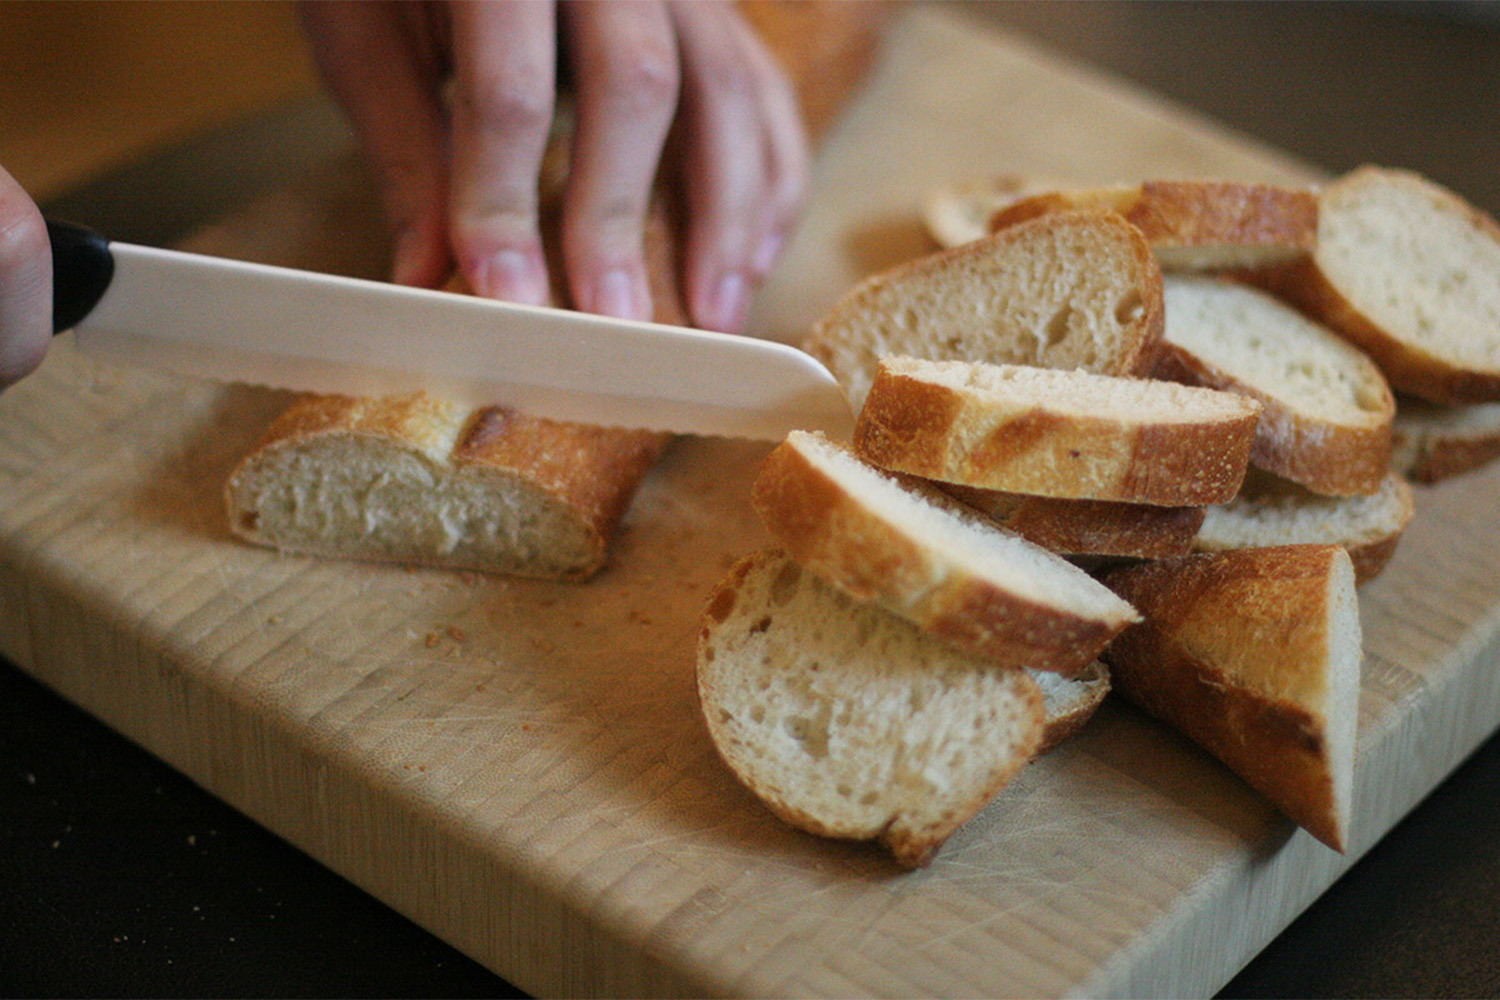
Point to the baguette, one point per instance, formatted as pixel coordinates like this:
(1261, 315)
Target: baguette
(1431, 443)
(932, 561)
(1326, 409)
(1071, 290)
(1088, 527)
(1410, 273)
(847, 721)
(1270, 512)
(424, 481)
(1194, 225)
(1254, 655)
(1069, 702)
(960, 213)
(1057, 433)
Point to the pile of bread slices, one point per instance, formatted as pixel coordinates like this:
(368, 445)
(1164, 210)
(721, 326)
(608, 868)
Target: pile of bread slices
(1139, 438)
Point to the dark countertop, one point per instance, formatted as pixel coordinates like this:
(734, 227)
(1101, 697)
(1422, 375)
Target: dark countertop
(120, 877)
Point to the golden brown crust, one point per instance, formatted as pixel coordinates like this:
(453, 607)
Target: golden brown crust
(1088, 527)
(835, 535)
(925, 429)
(1277, 223)
(1222, 657)
(1328, 458)
(1437, 459)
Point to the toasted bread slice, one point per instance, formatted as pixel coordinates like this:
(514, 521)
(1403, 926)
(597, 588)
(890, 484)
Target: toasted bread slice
(1271, 511)
(850, 722)
(1326, 409)
(1431, 443)
(1410, 273)
(417, 480)
(1071, 290)
(1057, 433)
(1255, 655)
(929, 559)
(1088, 527)
(1069, 702)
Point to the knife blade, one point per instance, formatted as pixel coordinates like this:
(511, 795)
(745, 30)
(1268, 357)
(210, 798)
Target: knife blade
(235, 321)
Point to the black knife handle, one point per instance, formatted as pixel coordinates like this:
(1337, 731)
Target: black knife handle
(82, 268)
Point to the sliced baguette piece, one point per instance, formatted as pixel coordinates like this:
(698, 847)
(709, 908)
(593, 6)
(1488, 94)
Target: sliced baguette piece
(1057, 433)
(1410, 273)
(929, 559)
(848, 721)
(1254, 655)
(1088, 527)
(1326, 409)
(1431, 443)
(1270, 511)
(960, 213)
(1192, 225)
(1069, 702)
(417, 480)
(1071, 290)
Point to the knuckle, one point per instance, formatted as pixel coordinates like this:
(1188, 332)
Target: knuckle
(506, 102)
(646, 76)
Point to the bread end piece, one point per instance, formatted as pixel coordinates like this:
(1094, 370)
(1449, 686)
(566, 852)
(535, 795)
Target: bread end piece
(1255, 655)
(847, 721)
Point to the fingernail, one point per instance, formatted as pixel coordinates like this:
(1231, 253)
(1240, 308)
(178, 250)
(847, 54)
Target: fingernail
(727, 303)
(511, 275)
(615, 294)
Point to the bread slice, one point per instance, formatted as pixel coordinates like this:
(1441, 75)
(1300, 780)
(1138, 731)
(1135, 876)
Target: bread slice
(934, 562)
(960, 212)
(1271, 511)
(419, 480)
(1431, 443)
(1088, 527)
(1193, 225)
(1409, 272)
(1326, 409)
(1255, 655)
(1057, 433)
(1071, 290)
(849, 722)
(1069, 702)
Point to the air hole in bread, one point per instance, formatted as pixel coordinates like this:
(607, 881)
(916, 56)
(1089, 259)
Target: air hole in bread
(784, 587)
(1129, 308)
(248, 520)
(1057, 327)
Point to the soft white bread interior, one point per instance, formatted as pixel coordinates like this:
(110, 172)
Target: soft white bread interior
(1433, 442)
(1057, 433)
(1326, 409)
(1191, 225)
(934, 562)
(848, 721)
(1069, 702)
(419, 480)
(1409, 272)
(1255, 655)
(1088, 527)
(1271, 511)
(1070, 290)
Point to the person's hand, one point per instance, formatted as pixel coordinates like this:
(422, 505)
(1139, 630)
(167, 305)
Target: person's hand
(459, 176)
(25, 283)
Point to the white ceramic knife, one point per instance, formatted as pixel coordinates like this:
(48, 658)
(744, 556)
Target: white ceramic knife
(240, 322)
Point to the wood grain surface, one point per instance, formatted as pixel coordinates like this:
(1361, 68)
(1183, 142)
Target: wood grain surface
(519, 765)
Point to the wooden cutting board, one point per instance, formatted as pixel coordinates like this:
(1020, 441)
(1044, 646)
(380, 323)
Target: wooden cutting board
(519, 766)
